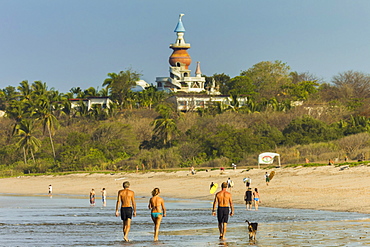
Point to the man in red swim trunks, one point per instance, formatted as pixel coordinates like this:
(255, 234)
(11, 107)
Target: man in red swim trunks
(126, 198)
(224, 201)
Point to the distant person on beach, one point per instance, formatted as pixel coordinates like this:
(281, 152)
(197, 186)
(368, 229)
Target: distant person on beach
(256, 198)
(192, 170)
(126, 198)
(92, 197)
(50, 190)
(267, 178)
(234, 166)
(248, 199)
(224, 201)
(211, 185)
(230, 184)
(158, 210)
(248, 182)
(104, 197)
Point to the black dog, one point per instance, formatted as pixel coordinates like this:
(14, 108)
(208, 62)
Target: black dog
(252, 229)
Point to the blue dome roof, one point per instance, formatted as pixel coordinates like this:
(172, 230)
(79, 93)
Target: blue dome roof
(180, 27)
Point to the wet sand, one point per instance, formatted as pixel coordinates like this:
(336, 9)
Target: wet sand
(321, 188)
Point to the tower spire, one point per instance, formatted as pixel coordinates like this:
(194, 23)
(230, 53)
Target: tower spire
(180, 27)
(198, 73)
(180, 55)
(180, 31)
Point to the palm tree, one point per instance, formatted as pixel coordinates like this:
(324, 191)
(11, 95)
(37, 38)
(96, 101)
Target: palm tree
(75, 91)
(233, 104)
(49, 121)
(98, 113)
(82, 109)
(149, 96)
(103, 92)
(66, 109)
(27, 142)
(25, 90)
(112, 109)
(17, 110)
(91, 92)
(165, 127)
(119, 85)
(39, 88)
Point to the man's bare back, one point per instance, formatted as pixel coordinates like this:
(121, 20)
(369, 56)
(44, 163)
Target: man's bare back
(223, 198)
(126, 198)
(224, 201)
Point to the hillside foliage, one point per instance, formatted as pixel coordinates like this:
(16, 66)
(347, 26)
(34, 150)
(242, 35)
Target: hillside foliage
(294, 114)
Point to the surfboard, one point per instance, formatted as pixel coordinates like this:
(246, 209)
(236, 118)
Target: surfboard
(213, 188)
(272, 174)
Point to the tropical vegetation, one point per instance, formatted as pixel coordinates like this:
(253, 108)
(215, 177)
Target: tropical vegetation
(295, 114)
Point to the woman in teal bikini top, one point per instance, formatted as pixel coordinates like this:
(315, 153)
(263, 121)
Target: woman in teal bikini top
(156, 205)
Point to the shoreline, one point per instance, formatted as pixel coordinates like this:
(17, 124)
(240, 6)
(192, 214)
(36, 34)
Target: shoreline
(320, 188)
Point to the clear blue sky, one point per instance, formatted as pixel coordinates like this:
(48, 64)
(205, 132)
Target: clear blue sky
(75, 43)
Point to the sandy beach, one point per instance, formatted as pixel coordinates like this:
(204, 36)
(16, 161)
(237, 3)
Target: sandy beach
(321, 188)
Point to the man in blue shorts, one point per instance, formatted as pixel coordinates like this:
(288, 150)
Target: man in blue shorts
(224, 201)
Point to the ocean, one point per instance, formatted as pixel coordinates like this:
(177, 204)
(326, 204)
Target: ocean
(65, 220)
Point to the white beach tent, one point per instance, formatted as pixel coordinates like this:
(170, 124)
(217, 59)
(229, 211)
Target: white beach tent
(267, 158)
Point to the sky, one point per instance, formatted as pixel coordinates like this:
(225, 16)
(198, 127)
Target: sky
(69, 43)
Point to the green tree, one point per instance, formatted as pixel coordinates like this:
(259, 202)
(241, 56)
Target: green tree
(269, 135)
(98, 113)
(149, 97)
(25, 90)
(221, 81)
(305, 130)
(120, 84)
(27, 141)
(82, 109)
(300, 90)
(91, 92)
(241, 85)
(116, 140)
(268, 78)
(76, 91)
(48, 120)
(165, 128)
(38, 89)
(6, 95)
(354, 125)
(17, 111)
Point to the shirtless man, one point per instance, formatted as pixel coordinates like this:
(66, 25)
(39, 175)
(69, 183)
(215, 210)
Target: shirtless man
(224, 201)
(126, 198)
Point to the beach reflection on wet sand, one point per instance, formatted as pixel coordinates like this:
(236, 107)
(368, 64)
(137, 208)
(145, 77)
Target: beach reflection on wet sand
(71, 221)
